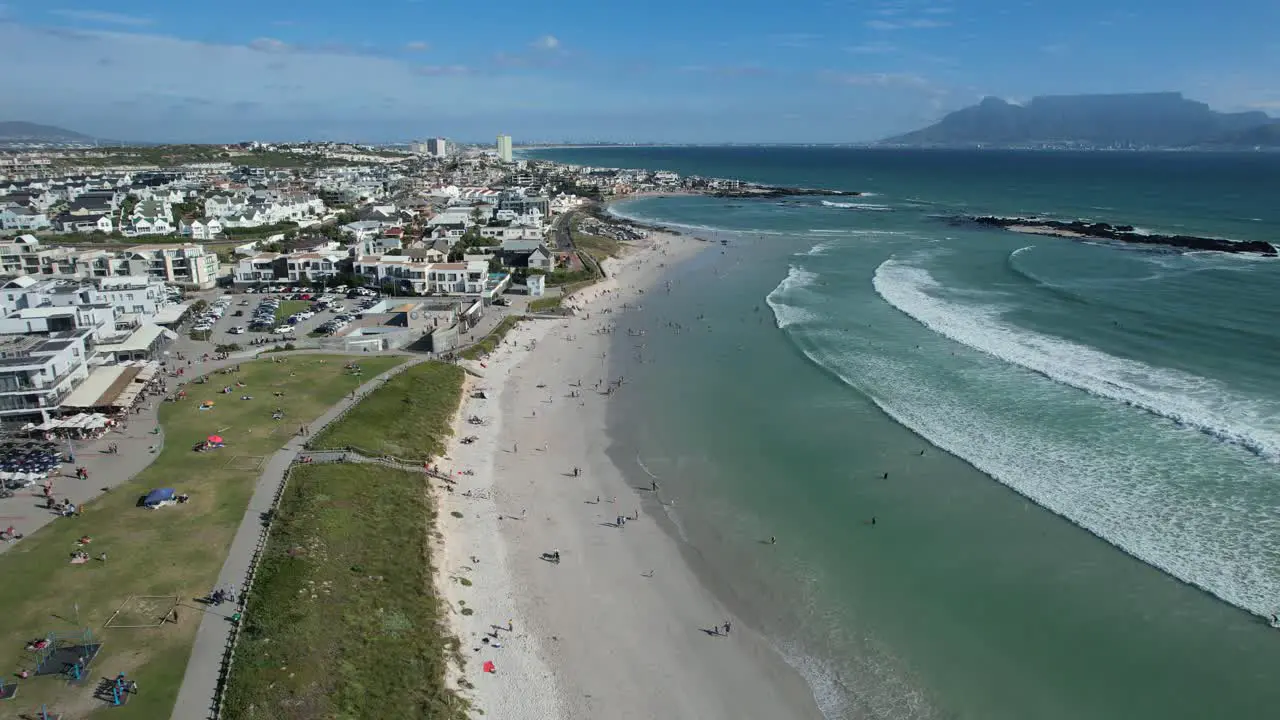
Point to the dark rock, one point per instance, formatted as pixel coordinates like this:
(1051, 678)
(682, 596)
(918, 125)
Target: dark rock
(1121, 233)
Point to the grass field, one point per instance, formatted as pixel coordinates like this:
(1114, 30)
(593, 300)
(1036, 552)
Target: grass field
(343, 621)
(409, 417)
(490, 341)
(175, 551)
(289, 307)
(543, 304)
(598, 246)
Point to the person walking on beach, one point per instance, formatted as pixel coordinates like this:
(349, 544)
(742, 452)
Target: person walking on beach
(726, 627)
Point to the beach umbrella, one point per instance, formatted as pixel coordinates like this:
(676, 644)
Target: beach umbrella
(489, 667)
(215, 439)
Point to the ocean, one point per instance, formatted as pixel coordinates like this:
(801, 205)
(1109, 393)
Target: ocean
(1010, 476)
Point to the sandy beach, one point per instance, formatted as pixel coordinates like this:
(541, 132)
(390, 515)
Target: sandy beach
(620, 627)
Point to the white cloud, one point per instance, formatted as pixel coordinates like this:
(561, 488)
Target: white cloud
(546, 42)
(417, 46)
(269, 45)
(908, 24)
(879, 79)
(269, 89)
(794, 40)
(109, 18)
(873, 48)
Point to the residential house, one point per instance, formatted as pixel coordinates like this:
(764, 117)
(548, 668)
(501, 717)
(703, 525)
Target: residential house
(452, 278)
(224, 205)
(206, 229)
(250, 217)
(23, 218)
(92, 203)
(449, 233)
(381, 245)
(83, 223)
(364, 229)
(527, 253)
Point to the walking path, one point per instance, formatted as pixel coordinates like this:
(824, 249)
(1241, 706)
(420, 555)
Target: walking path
(199, 698)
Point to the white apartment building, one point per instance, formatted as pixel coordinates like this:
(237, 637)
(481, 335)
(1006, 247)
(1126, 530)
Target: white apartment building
(259, 268)
(37, 373)
(187, 264)
(418, 276)
(312, 267)
(109, 308)
(504, 148)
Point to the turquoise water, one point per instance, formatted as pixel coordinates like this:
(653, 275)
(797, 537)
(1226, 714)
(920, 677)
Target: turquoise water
(1092, 528)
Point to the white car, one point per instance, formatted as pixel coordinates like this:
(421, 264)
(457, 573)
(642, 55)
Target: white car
(284, 330)
(237, 330)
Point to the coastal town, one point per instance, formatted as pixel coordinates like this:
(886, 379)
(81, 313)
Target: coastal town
(199, 337)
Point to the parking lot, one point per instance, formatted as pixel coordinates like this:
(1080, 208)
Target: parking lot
(241, 318)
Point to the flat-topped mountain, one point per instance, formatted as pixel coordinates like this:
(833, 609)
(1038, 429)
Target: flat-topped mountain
(1133, 120)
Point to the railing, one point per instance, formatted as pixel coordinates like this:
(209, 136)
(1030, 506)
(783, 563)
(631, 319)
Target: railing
(264, 536)
(233, 636)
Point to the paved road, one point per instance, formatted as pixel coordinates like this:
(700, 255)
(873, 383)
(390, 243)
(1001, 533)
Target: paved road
(198, 696)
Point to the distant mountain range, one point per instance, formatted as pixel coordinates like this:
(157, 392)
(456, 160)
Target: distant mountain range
(26, 132)
(1152, 120)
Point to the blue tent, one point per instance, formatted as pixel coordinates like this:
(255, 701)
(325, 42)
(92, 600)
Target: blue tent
(155, 497)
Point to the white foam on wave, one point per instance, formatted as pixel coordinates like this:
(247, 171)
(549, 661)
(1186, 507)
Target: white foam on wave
(1137, 486)
(783, 299)
(819, 249)
(1187, 399)
(857, 206)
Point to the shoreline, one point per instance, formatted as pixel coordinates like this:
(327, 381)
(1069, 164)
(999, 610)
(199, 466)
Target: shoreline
(620, 615)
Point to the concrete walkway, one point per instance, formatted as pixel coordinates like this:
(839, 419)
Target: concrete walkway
(199, 696)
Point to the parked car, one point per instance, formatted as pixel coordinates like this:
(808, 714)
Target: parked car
(237, 330)
(284, 330)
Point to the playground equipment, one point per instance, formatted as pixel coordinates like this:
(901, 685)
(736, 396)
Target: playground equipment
(66, 653)
(115, 691)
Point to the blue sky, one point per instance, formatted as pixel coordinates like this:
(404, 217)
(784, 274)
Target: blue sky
(658, 70)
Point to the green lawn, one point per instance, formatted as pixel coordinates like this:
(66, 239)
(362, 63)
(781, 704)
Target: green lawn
(343, 621)
(543, 304)
(490, 341)
(409, 417)
(289, 307)
(176, 551)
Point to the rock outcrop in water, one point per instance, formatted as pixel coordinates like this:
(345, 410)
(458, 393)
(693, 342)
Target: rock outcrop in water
(1119, 233)
(772, 192)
